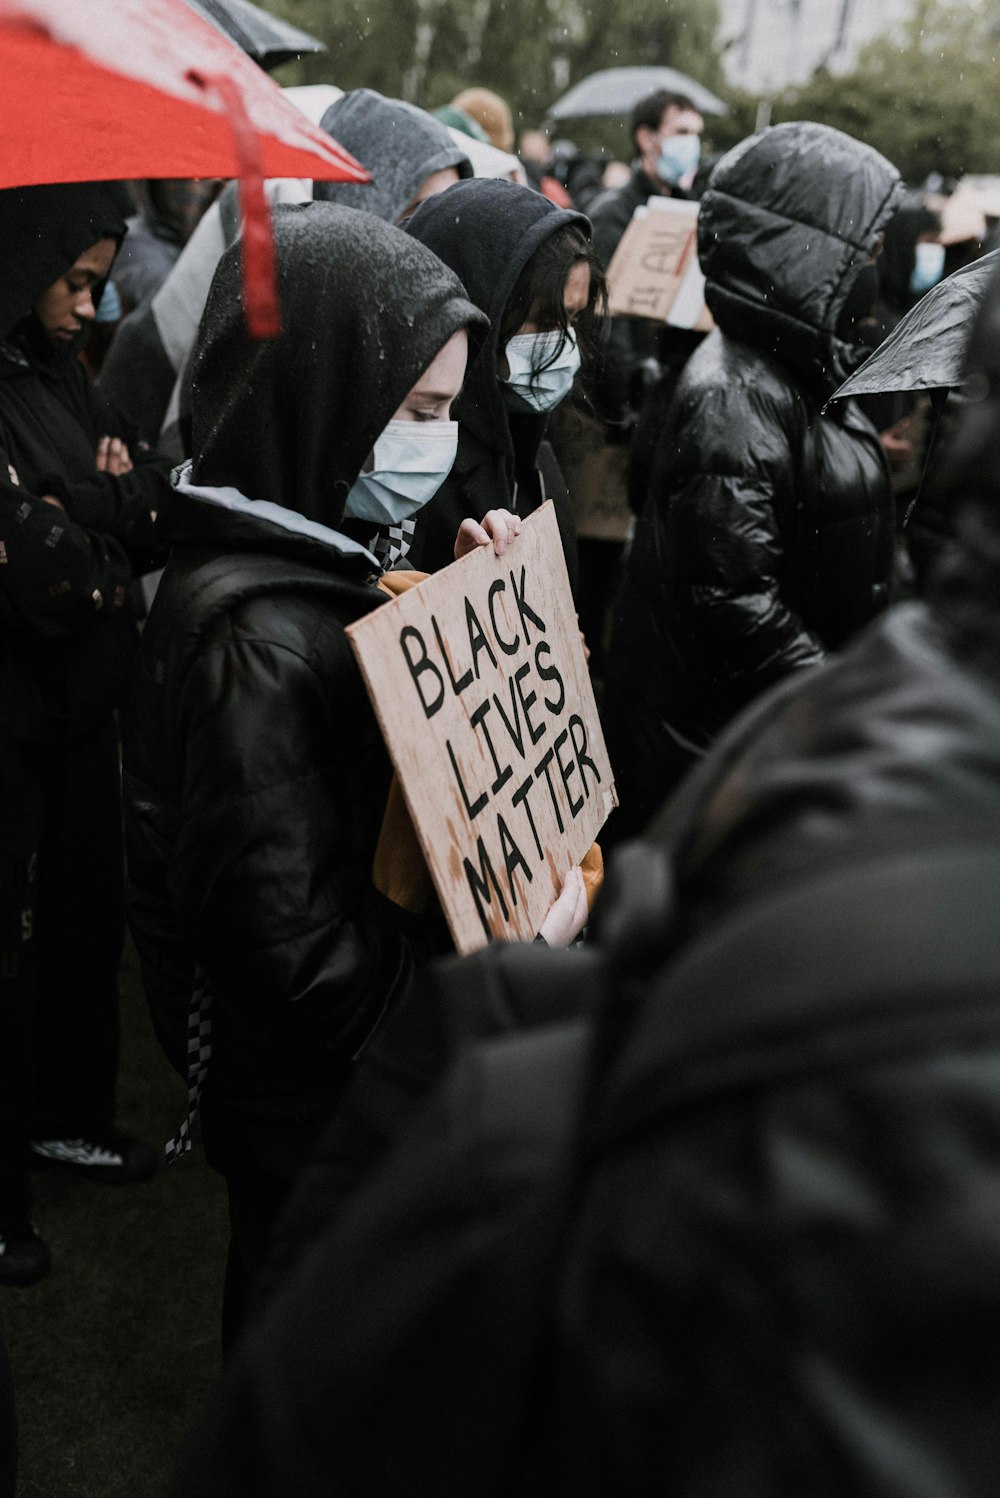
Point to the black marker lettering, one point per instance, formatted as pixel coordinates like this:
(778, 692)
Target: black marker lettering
(576, 723)
(479, 884)
(525, 611)
(472, 810)
(512, 858)
(463, 681)
(521, 794)
(509, 647)
(550, 674)
(478, 720)
(566, 771)
(418, 664)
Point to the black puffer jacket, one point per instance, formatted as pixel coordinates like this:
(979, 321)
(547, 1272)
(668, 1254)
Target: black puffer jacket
(487, 231)
(766, 536)
(900, 733)
(255, 773)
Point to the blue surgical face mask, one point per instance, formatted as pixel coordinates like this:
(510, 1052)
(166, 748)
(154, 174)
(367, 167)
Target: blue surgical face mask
(928, 267)
(542, 388)
(679, 156)
(410, 462)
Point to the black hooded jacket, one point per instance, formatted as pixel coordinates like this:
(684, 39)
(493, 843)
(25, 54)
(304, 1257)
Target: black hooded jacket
(255, 773)
(487, 230)
(66, 635)
(400, 145)
(766, 535)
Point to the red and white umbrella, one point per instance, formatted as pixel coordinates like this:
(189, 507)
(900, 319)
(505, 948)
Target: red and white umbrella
(147, 88)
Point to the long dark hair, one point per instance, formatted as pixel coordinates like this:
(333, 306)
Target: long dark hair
(538, 295)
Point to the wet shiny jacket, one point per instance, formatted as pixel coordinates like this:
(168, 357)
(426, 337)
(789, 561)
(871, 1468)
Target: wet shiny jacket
(255, 785)
(766, 535)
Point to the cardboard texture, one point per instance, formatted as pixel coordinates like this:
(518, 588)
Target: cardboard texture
(480, 685)
(654, 272)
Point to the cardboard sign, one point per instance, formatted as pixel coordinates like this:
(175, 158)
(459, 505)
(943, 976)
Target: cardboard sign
(654, 272)
(481, 689)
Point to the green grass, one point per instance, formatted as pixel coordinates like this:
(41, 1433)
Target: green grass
(115, 1351)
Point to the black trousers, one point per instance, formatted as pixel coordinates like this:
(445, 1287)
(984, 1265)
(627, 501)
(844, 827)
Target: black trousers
(62, 927)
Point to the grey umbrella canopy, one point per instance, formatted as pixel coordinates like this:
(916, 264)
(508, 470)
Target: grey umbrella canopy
(267, 39)
(618, 90)
(926, 349)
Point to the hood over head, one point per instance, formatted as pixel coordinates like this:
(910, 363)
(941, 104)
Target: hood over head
(487, 230)
(400, 145)
(364, 310)
(43, 230)
(790, 218)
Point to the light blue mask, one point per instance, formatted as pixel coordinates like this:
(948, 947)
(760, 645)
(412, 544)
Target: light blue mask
(542, 388)
(679, 156)
(411, 460)
(928, 267)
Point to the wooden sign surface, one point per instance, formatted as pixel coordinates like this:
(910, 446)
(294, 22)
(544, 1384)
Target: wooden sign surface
(482, 692)
(654, 272)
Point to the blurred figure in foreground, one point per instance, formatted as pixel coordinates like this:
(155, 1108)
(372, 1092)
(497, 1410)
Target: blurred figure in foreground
(739, 1234)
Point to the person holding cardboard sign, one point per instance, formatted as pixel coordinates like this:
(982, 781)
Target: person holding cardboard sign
(256, 777)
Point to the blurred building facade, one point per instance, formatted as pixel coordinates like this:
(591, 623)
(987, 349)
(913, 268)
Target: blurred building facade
(775, 43)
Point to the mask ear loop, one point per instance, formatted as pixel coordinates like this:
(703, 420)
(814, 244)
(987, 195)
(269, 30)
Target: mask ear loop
(260, 278)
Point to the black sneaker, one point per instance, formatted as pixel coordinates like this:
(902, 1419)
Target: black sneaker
(113, 1158)
(24, 1258)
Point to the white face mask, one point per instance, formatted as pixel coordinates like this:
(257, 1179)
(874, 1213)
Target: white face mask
(679, 157)
(411, 460)
(542, 388)
(928, 267)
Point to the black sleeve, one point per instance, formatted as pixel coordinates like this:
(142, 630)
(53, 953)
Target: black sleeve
(264, 875)
(727, 543)
(57, 577)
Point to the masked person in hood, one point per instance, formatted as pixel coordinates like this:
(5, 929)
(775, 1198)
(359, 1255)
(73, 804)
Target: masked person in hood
(256, 777)
(775, 1267)
(77, 521)
(410, 156)
(529, 266)
(766, 539)
(596, 435)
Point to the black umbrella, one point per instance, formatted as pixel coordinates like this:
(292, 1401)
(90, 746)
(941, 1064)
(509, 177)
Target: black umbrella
(616, 91)
(926, 349)
(265, 38)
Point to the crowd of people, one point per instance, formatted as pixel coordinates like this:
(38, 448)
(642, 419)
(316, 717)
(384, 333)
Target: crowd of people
(697, 1193)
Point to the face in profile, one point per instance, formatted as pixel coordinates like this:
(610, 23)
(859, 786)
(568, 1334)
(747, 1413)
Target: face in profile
(68, 304)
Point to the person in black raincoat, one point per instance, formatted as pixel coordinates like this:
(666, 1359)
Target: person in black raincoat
(772, 1266)
(766, 538)
(77, 522)
(256, 777)
(529, 266)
